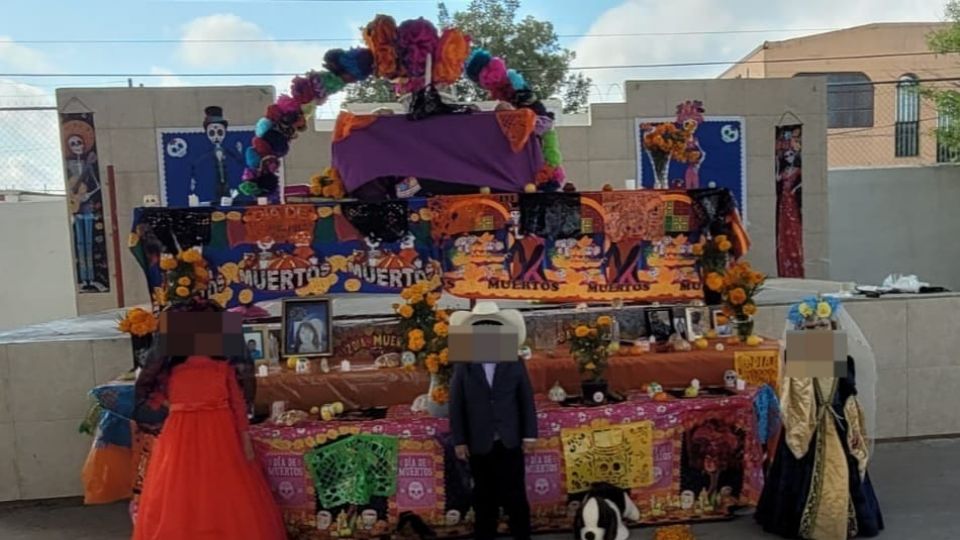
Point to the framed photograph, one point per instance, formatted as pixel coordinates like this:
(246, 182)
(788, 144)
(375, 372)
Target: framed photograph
(307, 327)
(660, 324)
(721, 324)
(253, 338)
(680, 324)
(698, 322)
(274, 343)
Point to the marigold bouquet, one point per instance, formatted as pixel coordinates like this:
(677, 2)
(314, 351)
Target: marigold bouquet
(813, 312)
(738, 286)
(590, 346)
(138, 322)
(425, 328)
(186, 277)
(714, 254)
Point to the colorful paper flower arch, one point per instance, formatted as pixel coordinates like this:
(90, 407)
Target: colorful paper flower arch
(403, 55)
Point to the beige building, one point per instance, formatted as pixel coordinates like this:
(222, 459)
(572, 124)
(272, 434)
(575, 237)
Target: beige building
(875, 116)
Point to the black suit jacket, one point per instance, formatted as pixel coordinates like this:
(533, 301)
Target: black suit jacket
(478, 412)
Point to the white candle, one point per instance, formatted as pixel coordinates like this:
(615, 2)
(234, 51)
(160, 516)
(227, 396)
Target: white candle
(345, 365)
(263, 201)
(741, 385)
(226, 201)
(630, 184)
(263, 370)
(193, 200)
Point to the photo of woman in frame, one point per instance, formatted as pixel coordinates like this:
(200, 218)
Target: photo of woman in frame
(307, 327)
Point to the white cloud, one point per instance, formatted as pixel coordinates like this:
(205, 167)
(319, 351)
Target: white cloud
(20, 57)
(167, 78)
(634, 16)
(279, 56)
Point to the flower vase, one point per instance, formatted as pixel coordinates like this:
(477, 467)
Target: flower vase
(594, 391)
(435, 409)
(660, 161)
(141, 349)
(743, 328)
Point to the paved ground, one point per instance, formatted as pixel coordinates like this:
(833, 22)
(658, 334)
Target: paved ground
(917, 483)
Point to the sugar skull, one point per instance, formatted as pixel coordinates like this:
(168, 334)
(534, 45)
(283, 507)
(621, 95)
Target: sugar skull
(76, 145)
(452, 517)
(286, 490)
(324, 520)
(687, 499)
(730, 379)
(416, 491)
(541, 486)
(177, 148)
(654, 389)
(369, 518)
(151, 201)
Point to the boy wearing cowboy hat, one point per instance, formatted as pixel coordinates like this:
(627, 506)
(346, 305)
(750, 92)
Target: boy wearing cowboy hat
(493, 420)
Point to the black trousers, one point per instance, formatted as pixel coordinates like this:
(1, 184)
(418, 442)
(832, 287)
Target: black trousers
(499, 482)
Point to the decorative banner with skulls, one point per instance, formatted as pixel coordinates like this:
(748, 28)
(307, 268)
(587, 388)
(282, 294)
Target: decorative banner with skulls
(206, 161)
(714, 157)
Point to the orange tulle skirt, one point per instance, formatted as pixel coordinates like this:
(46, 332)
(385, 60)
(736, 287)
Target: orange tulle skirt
(200, 485)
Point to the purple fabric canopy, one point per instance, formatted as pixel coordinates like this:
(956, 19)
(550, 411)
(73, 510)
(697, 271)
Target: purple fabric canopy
(465, 149)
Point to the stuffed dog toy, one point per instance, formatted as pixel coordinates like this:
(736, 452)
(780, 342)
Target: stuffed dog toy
(603, 511)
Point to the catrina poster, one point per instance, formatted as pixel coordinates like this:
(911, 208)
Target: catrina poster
(85, 202)
(789, 148)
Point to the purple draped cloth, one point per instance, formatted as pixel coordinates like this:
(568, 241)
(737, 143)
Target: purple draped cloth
(465, 149)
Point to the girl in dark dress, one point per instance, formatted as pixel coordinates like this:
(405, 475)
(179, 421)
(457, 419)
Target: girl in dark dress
(817, 487)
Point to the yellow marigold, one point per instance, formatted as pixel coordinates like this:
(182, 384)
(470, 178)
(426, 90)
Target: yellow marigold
(167, 262)
(246, 296)
(698, 249)
(750, 309)
(185, 281)
(824, 311)
(191, 256)
(805, 309)
(604, 320)
(738, 296)
(433, 363)
(440, 329)
(581, 331)
(405, 311)
(714, 281)
(440, 394)
(182, 292)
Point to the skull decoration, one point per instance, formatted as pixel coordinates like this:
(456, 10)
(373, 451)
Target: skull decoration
(416, 491)
(541, 486)
(369, 518)
(654, 389)
(76, 145)
(215, 125)
(730, 379)
(324, 520)
(177, 148)
(453, 518)
(151, 201)
(286, 490)
(686, 500)
(216, 133)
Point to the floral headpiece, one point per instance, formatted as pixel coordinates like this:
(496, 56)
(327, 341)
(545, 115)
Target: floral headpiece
(814, 311)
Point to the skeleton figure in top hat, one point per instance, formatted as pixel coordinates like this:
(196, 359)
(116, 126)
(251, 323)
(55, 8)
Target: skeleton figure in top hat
(224, 162)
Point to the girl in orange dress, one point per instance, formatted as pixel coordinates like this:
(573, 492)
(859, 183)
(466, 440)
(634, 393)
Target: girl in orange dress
(203, 481)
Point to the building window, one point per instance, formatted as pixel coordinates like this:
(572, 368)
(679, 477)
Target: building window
(946, 153)
(907, 130)
(849, 99)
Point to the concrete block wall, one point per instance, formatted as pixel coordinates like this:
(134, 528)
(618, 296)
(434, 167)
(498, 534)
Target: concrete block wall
(915, 341)
(43, 399)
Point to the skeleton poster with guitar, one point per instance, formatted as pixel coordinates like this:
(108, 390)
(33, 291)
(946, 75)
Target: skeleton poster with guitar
(85, 202)
(693, 151)
(202, 164)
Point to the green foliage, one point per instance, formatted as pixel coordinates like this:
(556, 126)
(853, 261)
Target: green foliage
(947, 41)
(528, 45)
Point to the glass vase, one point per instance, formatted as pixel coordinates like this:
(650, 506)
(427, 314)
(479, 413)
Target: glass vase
(436, 410)
(743, 328)
(660, 161)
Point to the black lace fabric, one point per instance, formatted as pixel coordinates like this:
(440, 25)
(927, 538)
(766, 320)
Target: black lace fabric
(550, 215)
(379, 221)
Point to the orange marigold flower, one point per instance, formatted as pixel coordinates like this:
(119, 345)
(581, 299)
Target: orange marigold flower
(738, 296)
(725, 246)
(440, 394)
(183, 281)
(697, 249)
(405, 311)
(167, 262)
(440, 329)
(182, 292)
(581, 331)
(714, 281)
(604, 320)
(750, 309)
(433, 363)
(191, 255)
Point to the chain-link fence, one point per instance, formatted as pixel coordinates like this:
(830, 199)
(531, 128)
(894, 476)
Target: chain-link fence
(30, 155)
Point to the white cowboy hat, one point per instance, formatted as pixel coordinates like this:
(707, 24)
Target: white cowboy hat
(489, 311)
